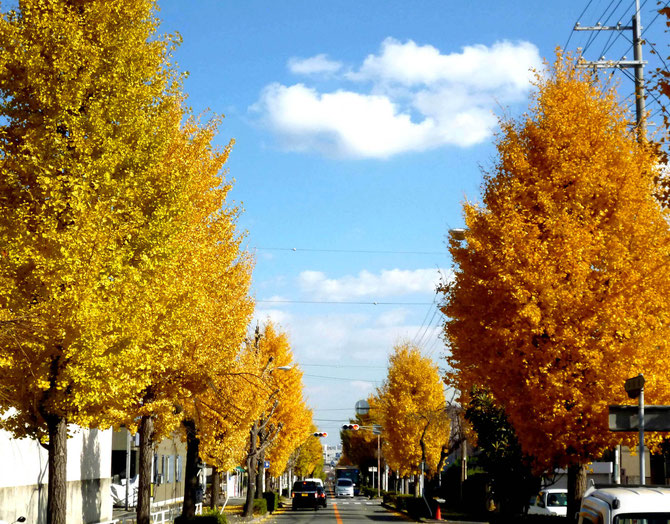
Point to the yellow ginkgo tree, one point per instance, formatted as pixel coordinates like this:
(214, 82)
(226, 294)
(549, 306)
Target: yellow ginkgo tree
(411, 408)
(194, 313)
(561, 285)
(87, 94)
(285, 420)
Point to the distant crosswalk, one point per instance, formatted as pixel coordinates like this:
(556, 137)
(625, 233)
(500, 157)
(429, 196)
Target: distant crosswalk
(339, 503)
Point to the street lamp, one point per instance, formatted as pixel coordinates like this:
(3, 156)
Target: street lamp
(458, 233)
(635, 388)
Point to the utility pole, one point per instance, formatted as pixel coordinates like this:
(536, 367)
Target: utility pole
(637, 63)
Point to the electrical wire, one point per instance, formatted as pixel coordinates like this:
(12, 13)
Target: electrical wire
(578, 19)
(435, 312)
(342, 378)
(341, 366)
(604, 20)
(365, 251)
(423, 322)
(342, 302)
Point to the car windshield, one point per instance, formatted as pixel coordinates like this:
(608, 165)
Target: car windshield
(304, 486)
(344, 483)
(557, 499)
(642, 518)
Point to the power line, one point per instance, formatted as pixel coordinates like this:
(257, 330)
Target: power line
(430, 308)
(578, 19)
(341, 366)
(345, 379)
(344, 302)
(366, 251)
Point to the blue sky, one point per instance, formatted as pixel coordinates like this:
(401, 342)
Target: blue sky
(360, 129)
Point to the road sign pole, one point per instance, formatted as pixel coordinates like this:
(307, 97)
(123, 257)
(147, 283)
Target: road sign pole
(642, 472)
(379, 468)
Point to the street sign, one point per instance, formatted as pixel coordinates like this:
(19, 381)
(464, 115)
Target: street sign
(362, 407)
(633, 386)
(376, 429)
(266, 464)
(372, 469)
(626, 418)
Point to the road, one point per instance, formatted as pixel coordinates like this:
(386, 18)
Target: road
(358, 510)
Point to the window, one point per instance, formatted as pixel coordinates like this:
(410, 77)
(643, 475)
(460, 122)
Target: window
(169, 469)
(155, 468)
(177, 468)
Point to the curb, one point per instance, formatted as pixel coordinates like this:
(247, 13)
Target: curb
(397, 513)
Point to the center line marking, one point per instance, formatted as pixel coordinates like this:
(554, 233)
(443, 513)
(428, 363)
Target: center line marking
(337, 514)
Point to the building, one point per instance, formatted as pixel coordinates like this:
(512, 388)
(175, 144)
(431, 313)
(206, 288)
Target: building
(24, 477)
(331, 454)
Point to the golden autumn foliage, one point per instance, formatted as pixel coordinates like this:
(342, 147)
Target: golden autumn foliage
(411, 407)
(85, 122)
(360, 446)
(197, 307)
(309, 456)
(226, 412)
(560, 288)
(288, 420)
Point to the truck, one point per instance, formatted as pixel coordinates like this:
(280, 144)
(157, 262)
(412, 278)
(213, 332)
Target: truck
(351, 473)
(625, 505)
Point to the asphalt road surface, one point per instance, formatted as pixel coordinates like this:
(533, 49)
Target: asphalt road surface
(358, 510)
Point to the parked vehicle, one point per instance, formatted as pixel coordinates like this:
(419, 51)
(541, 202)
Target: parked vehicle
(344, 488)
(626, 505)
(307, 494)
(549, 501)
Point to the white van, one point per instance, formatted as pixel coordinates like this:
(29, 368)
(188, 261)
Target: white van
(549, 501)
(626, 505)
(319, 482)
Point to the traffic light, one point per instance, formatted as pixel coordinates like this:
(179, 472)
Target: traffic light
(320, 434)
(353, 427)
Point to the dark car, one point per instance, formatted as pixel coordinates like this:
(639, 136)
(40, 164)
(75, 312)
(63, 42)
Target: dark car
(307, 494)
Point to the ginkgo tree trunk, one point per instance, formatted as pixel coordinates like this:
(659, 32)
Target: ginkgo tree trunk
(561, 287)
(86, 90)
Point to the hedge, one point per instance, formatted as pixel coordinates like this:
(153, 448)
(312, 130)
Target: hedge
(260, 506)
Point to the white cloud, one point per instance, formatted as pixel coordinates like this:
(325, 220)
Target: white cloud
(276, 316)
(395, 317)
(504, 64)
(319, 64)
(408, 98)
(343, 123)
(387, 283)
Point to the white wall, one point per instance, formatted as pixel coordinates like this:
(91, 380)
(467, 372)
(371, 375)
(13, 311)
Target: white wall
(24, 477)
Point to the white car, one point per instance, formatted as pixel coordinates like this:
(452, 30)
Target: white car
(319, 482)
(550, 501)
(344, 488)
(626, 505)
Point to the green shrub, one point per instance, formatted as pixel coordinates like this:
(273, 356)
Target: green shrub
(369, 492)
(390, 497)
(260, 507)
(213, 512)
(402, 502)
(272, 500)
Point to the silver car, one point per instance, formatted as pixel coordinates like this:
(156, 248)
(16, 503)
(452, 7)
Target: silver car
(344, 488)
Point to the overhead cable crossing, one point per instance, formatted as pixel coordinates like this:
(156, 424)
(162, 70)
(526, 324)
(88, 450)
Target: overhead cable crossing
(637, 63)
